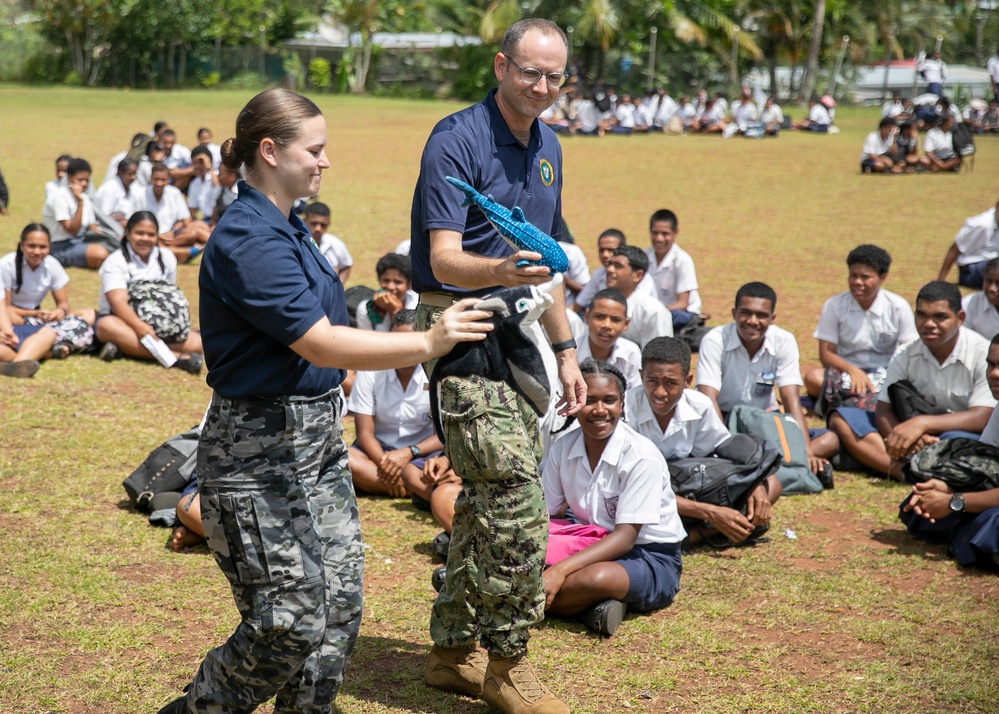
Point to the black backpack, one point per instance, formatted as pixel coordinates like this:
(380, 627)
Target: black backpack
(963, 140)
(355, 295)
(726, 477)
(962, 464)
(168, 467)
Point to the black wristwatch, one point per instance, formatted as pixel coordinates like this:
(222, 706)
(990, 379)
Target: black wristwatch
(957, 504)
(415, 451)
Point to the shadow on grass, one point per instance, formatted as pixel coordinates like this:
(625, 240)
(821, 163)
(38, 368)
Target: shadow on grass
(389, 672)
(905, 544)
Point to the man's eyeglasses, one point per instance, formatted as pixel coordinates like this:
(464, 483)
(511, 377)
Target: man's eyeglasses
(531, 76)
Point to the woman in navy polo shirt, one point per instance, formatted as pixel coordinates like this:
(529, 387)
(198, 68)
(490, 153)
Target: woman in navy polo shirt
(277, 502)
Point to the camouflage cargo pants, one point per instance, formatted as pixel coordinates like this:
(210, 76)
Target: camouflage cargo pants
(281, 520)
(493, 592)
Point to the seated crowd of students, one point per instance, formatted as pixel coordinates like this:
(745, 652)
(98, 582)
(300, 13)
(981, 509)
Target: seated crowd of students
(635, 319)
(896, 147)
(612, 548)
(599, 112)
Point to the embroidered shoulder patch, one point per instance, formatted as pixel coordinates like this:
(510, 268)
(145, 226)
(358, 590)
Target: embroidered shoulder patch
(547, 172)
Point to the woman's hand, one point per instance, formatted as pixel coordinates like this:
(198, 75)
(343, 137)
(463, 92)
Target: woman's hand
(459, 323)
(553, 580)
(8, 338)
(51, 315)
(860, 383)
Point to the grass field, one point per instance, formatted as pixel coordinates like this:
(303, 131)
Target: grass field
(97, 615)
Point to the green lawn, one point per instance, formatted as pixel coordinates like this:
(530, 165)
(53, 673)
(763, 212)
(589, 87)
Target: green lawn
(96, 615)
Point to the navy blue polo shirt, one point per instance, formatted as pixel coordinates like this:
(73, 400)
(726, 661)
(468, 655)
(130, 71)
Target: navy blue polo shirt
(476, 146)
(263, 284)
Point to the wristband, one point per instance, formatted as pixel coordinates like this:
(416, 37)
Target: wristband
(415, 451)
(569, 344)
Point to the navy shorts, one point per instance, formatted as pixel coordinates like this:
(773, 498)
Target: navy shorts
(654, 575)
(973, 537)
(860, 421)
(971, 275)
(72, 253)
(23, 332)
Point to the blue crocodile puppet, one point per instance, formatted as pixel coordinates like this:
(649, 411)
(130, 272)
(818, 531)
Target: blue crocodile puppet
(516, 230)
(512, 353)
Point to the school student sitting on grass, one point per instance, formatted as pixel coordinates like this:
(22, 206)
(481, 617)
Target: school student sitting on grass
(647, 317)
(606, 320)
(22, 347)
(981, 309)
(672, 269)
(317, 218)
(608, 241)
(394, 432)
(859, 330)
(395, 293)
(976, 243)
(118, 325)
(967, 522)
(875, 157)
(607, 475)
(69, 214)
(946, 365)
(682, 422)
(742, 362)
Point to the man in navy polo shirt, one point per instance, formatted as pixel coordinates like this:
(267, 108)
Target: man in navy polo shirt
(494, 590)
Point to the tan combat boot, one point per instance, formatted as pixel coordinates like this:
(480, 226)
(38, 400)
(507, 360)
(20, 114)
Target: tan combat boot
(458, 669)
(513, 687)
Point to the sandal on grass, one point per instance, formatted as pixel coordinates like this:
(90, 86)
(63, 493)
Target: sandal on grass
(61, 350)
(190, 363)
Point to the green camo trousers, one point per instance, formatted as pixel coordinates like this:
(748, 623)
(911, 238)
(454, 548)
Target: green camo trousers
(494, 591)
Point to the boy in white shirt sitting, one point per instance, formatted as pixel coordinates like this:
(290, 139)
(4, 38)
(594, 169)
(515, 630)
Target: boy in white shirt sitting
(648, 317)
(981, 309)
(609, 241)
(606, 320)
(742, 362)
(682, 423)
(317, 218)
(672, 270)
(976, 243)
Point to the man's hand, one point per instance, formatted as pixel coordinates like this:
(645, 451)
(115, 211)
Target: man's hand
(731, 524)
(930, 499)
(393, 462)
(509, 275)
(815, 463)
(905, 438)
(387, 302)
(553, 579)
(758, 507)
(573, 384)
(437, 470)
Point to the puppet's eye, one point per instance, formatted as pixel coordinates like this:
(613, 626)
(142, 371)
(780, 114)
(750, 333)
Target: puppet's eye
(522, 305)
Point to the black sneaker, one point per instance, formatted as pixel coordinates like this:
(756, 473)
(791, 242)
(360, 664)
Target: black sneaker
(190, 363)
(109, 352)
(440, 545)
(21, 370)
(438, 577)
(826, 476)
(605, 617)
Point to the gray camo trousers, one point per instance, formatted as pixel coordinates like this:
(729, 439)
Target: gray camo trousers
(281, 519)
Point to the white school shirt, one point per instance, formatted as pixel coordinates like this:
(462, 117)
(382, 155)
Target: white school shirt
(52, 186)
(891, 109)
(939, 142)
(744, 114)
(335, 251)
(578, 270)
(216, 152)
(724, 364)
(958, 384)
(630, 484)
(673, 275)
(771, 115)
(867, 338)
(625, 115)
(112, 197)
(402, 416)
(980, 316)
(643, 117)
(598, 281)
(61, 206)
(201, 195)
(819, 114)
(180, 157)
(667, 108)
(649, 319)
(364, 321)
(978, 238)
(933, 70)
(576, 325)
(992, 66)
(170, 209)
(403, 247)
(877, 146)
(112, 171)
(990, 435)
(695, 429)
(35, 284)
(116, 273)
(625, 355)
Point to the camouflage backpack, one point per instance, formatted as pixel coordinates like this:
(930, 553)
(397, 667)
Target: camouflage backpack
(963, 464)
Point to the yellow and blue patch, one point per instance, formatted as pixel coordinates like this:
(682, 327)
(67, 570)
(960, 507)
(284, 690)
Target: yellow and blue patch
(547, 172)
